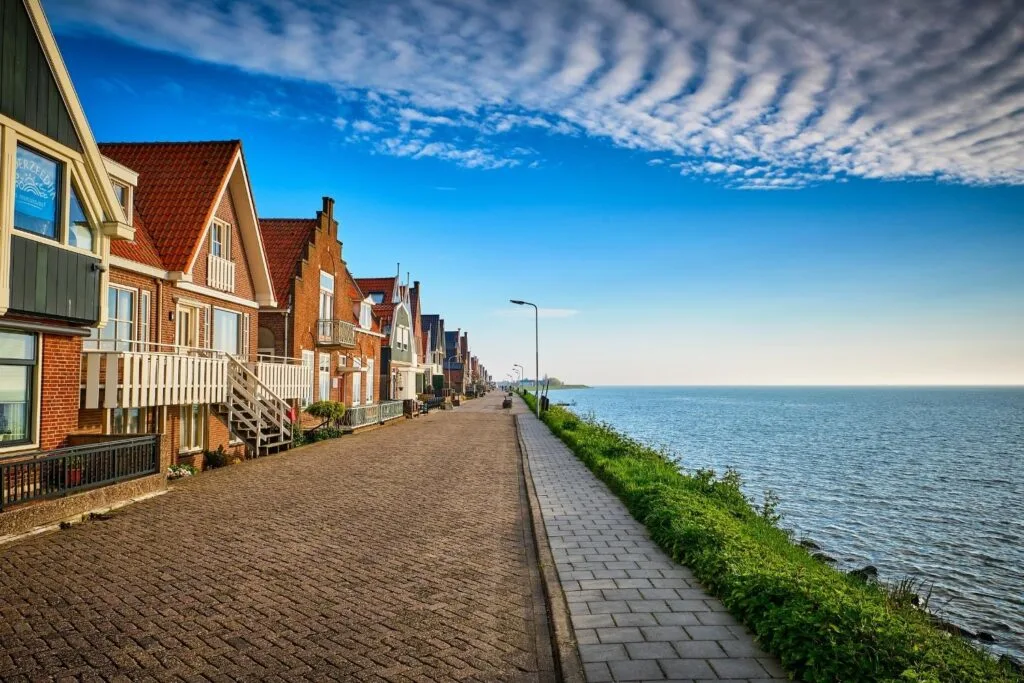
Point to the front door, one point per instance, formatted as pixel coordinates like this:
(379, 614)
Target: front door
(187, 330)
(325, 377)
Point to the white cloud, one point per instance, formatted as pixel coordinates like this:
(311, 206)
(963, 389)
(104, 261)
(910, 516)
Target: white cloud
(758, 94)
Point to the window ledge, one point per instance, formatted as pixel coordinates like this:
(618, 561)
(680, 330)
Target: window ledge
(116, 230)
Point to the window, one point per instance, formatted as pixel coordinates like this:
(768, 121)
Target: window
(37, 185)
(124, 198)
(227, 331)
(144, 321)
(192, 428)
(119, 332)
(126, 421)
(17, 387)
(357, 383)
(79, 232)
(220, 239)
(369, 381)
(365, 316)
(307, 392)
(186, 333)
(326, 296)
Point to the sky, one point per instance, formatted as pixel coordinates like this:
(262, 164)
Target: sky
(693, 191)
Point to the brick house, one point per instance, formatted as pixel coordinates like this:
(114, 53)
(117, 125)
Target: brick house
(454, 367)
(322, 317)
(59, 216)
(433, 352)
(399, 356)
(185, 295)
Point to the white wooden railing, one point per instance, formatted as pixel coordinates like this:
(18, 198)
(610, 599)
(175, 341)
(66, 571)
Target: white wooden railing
(220, 273)
(286, 377)
(139, 379)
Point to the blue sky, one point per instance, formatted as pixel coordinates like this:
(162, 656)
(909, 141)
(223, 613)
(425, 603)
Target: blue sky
(694, 195)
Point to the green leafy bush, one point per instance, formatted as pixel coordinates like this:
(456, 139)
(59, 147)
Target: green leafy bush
(821, 623)
(331, 411)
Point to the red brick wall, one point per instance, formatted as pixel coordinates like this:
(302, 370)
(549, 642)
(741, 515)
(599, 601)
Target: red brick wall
(243, 279)
(59, 389)
(324, 253)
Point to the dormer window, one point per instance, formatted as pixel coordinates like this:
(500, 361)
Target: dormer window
(124, 198)
(37, 190)
(377, 297)
(39, 194)
(220, 239)
(79, 232)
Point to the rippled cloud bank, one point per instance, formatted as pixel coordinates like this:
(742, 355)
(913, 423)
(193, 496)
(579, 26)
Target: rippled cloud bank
(759, 93)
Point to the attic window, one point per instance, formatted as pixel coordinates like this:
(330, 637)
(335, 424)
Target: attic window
(377, 297)
(124, 198)
(220, 239)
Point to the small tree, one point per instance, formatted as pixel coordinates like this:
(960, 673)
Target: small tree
(328, 411)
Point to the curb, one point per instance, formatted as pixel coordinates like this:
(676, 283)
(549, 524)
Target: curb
(569, 668)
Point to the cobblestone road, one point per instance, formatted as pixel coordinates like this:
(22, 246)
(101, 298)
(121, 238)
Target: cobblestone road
(399, 554)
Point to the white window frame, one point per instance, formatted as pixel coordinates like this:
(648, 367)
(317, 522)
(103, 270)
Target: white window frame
(365, 315)
(116, 344)
(243, 336)
(369, 382)
(128, 200)
(357, 381)
(143, 320)
(308, 360)
(43, 146)
(113, 428)
(35, 424)
(224, 230)
(321, 375)
(327, 294)
(198, 420)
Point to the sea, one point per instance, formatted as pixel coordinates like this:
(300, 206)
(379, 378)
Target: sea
(925, 483)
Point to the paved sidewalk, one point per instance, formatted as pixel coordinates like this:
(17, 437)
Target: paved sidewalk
(637, 614)
(399, 554)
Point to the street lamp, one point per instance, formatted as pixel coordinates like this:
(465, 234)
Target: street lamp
(521, 370)
(536, 344)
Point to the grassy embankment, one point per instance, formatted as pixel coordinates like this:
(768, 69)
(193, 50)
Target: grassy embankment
(823, 624)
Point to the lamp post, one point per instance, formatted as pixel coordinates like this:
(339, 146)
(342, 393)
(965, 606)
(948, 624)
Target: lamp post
(536, 344)
(448, 371)
(520, 369)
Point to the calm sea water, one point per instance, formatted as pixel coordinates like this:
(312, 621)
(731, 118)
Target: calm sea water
(927, 483)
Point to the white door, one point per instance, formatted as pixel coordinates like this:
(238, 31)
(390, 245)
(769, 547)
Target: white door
(325, 377)
(357, 382)
(187, 329)
(308, 360)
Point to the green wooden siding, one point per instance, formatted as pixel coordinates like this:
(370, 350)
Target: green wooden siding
(49, 281)
(28, 90)
(402, 318)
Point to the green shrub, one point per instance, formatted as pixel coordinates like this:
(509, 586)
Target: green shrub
(214, 459)
(331, 411)
(822, 624)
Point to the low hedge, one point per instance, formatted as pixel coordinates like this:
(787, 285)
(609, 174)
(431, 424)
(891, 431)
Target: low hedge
(822, 624)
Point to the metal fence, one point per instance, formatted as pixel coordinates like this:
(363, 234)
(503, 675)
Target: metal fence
(361, 416)
(389, 410)
(67, 470)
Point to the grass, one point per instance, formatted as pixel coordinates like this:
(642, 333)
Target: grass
(822, 624)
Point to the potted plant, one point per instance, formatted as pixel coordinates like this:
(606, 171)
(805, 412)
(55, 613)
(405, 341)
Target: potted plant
(74, 466)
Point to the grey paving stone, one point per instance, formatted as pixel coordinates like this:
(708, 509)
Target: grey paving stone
(699, 649)
(602, 653)
(650, 650)
(665, 633)
(687, 668)
(737, 668)
(642, 619)
(597, 672)
(676, 618)
(709, 633)
(637, 670)
(593, 621)
(620, 634)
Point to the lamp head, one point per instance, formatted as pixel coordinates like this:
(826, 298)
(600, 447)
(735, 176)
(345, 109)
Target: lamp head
(517, 302)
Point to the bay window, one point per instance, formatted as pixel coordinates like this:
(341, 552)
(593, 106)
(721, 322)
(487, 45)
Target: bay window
(18, 362)
(42, 184)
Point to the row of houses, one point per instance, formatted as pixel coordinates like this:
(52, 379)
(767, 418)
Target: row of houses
(149, 314)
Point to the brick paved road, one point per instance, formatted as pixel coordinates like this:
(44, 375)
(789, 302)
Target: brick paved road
(396, 555)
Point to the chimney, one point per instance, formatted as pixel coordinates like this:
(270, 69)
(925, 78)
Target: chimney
(328, 212)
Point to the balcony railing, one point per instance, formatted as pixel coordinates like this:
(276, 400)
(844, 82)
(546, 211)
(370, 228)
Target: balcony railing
(287, 377)
(160, 375)
(335, 333)
(220, 273)
(361, 416)
(68, 470)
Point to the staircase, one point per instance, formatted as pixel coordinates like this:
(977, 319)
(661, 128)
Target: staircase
(254, 413)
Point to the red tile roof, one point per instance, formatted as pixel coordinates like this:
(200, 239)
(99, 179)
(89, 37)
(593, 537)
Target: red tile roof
(377, 284)
(285, 240)
(140, 249)
(178, 185)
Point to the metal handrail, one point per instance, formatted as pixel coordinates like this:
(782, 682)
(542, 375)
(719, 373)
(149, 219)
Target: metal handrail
(55, 473)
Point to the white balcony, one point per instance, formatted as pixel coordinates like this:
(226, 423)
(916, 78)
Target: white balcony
(287, 378)
(335, 333)
(220, 273)
(144, 378)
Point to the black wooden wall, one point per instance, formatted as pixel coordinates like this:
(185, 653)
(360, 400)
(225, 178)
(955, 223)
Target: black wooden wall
(28, 90)
(49, 281)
